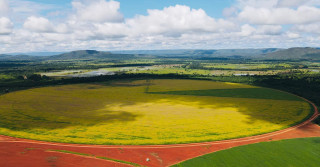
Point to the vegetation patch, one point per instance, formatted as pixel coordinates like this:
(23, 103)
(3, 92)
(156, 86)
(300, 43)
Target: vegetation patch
(255, 93)
(128, 113)
(293, 153)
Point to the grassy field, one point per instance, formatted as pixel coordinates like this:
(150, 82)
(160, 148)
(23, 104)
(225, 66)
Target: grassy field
(246, 66)
(225, 72)
(285, 153)
(2, 76)
(148, 112)
(217, 69)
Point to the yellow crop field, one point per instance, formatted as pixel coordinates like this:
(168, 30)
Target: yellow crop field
(139, 112)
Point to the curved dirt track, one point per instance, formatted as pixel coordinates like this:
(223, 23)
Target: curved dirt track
(24, 152)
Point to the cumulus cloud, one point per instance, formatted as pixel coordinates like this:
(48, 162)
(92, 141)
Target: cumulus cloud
(275, 3)
(99, 24)
(230, 12)
(38, 24)
(292, 35)
(292, 3)
(269, 29)
(257, 3)
(4, 7)
(97, 10)
(265, 30)
(62, 28)
(112, 30)
(6, 26)
(20, 10)
(176, 20)
(171, 21)
(308, 28)
(278, 16)
(247, 30)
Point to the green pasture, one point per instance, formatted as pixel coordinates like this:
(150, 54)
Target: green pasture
(285, 153)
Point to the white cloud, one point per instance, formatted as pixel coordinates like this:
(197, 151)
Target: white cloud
(241, 4)
(177, 20)
(257, 3)
(172, 21)
(230, 12)
(291, 3)
(22, 9)
(247, 30)
(6, 26)
(4, 8)
(309, 28)
(280, 16)
(259, 31)
(62, 28)
(292, 35)
(112, 30)
(275, 3)
(97, 10)
(98, 24)
(38, 24)
(269, 29)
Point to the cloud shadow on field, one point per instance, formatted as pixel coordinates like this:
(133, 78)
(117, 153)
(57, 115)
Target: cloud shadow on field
(77, 111)
(34, 122)
(126, 83)
(255, 93)
(251, 102)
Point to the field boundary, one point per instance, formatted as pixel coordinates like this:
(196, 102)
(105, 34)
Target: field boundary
(93, 157)
(256, 137)
(161, 155)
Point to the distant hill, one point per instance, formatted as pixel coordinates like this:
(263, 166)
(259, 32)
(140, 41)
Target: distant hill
(2, 56)
(36, 53)
(242, 52)
(80, 54)
(18, 57)
(305, 53)
(88, 55)
(74, 55)
(202, 53)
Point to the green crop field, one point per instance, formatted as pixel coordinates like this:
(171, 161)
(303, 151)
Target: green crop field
(2, 76)
(245, 66)
(285, 153)
(148, 112)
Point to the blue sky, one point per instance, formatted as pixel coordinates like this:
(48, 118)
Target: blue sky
(130, 8)
(64, 25)
(213, 8)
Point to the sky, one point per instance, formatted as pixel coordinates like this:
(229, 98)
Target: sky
(66, 25)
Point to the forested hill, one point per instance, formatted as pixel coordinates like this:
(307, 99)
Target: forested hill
(201, 53)
(6, 57)
(88, 55)
(306, 53)
(294, 54)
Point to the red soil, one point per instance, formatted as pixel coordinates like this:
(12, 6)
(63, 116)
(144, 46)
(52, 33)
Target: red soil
(23, 152)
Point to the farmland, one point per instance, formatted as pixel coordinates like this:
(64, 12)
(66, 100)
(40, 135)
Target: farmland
(180, 83)
(293, 152)
(138, 112)
(135, 99)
